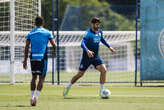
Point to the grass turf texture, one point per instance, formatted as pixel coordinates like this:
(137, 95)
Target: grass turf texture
(91, 76)
(16, 97)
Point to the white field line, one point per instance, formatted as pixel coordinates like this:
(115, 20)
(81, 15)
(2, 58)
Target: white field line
(136, 96)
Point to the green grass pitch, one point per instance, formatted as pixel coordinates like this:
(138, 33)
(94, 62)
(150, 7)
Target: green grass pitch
(90, 76)
(16, 97)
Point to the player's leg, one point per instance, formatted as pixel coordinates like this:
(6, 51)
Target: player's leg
(73, 80)
(42, 67)
(102, 69)
(84, 64)
(39, 86)
(33, 84)
(100, 66)
(79, 74)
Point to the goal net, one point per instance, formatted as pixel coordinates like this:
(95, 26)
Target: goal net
(120, 66)
(16, 19)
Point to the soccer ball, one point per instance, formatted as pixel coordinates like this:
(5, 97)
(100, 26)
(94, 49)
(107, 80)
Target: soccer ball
(105, 94)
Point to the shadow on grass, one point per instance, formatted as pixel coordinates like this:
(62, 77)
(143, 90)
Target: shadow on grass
(15, 106)
(83, 98)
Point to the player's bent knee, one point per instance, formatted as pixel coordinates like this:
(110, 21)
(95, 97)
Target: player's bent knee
(103, 70)
(103, 73)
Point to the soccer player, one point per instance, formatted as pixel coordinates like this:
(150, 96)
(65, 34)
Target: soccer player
(90, 46)
(38, 38)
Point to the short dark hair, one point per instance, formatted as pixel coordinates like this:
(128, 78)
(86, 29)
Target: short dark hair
(39, 21)
(95, 20)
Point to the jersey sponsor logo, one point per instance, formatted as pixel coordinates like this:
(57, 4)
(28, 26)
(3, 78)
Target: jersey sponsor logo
(96, 40)
(161, 43)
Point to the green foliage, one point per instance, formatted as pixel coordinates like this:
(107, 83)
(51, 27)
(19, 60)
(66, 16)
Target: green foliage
(79, 17)
(86, 2)
(110, 19)
(114, 21)
(47, 8)
(121, 2)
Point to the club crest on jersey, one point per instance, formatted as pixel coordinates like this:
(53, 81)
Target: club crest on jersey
(98, 34)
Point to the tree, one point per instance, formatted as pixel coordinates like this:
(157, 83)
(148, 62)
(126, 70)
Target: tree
(47, 8)
(78, 18)
(121, 2)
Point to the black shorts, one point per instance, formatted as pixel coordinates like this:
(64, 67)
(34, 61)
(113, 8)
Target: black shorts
(39, 67)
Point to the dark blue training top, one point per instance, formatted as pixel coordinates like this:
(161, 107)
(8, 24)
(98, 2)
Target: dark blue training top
(39, 38)
(91, 41)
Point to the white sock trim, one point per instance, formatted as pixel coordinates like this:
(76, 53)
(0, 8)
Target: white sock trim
(32, 94)
(69, 85)
(102, 87)
(37, 94)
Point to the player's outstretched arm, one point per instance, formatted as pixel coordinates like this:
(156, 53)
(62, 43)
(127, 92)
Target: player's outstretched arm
(104, 42)
(107, 45)
(54, 46)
